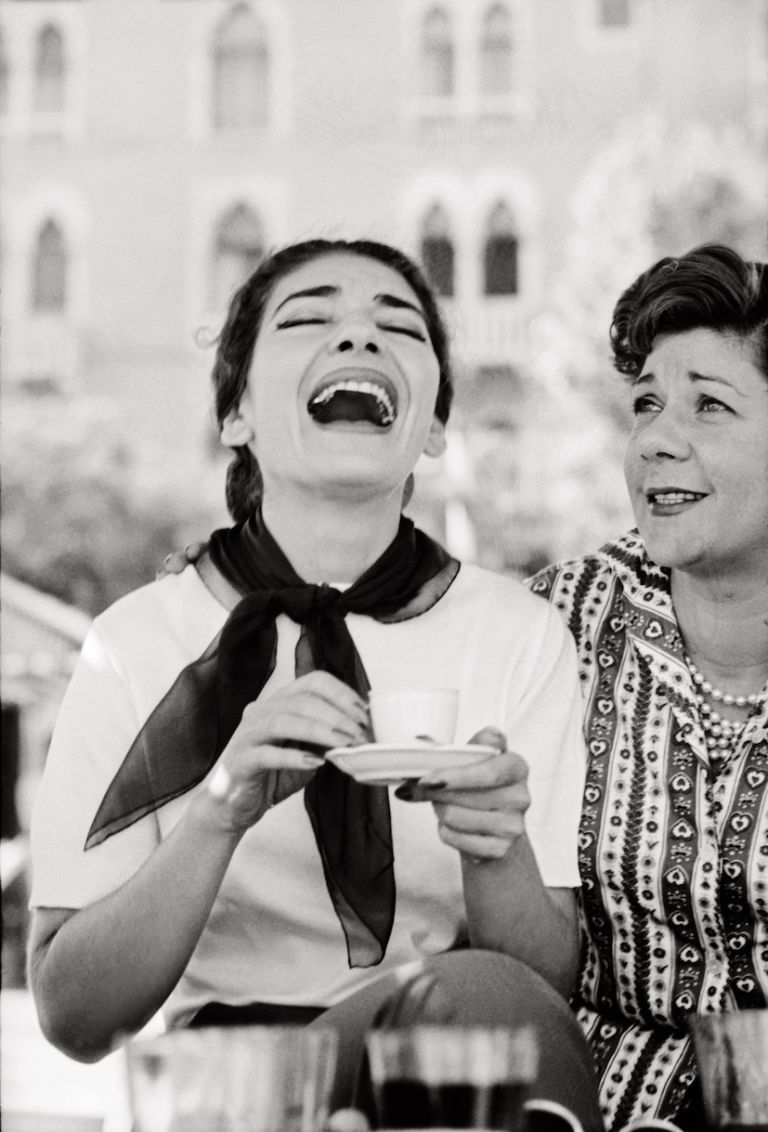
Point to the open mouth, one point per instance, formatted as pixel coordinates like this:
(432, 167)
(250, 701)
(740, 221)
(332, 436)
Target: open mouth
(373, 400)
(665, 500)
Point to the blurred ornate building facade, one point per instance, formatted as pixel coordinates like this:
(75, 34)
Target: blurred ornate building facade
(153, 149)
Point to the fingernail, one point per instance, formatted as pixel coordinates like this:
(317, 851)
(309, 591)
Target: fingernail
(349, 738)
(167, 559)
(438, 784)
(312, 761)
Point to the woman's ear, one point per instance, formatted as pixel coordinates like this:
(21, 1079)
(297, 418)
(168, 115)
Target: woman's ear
(435, 445)
(235, 430)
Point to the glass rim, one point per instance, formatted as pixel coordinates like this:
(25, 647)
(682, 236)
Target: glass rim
(197, 1034)
(455, 1029)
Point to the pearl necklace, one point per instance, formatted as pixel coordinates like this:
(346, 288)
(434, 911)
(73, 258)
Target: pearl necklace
(721, 734)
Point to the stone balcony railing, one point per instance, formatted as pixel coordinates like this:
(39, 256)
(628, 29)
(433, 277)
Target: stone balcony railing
(492, 331)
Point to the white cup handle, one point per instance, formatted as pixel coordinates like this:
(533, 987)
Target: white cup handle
(565, 1114)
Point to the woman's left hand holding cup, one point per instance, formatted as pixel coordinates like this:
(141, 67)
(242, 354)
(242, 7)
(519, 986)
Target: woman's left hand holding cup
(480, 808)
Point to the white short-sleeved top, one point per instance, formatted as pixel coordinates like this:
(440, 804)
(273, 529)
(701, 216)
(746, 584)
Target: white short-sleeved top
(273, 935)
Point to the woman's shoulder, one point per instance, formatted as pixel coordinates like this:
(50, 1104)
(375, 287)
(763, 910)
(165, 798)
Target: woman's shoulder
(175, 605)
(571, 578)
(569, 575)
(481, 583)
(512, 628)
(504, 598)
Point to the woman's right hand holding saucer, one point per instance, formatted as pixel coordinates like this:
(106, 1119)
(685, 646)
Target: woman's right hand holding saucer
(272, 753)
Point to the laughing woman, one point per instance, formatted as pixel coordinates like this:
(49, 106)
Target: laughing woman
(193, 852)
(671, 627)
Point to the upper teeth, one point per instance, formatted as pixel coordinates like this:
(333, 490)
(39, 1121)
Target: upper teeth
(669, 497)
(368, 387)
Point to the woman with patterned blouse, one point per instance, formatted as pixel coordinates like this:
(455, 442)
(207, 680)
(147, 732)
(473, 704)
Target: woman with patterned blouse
(671, 627)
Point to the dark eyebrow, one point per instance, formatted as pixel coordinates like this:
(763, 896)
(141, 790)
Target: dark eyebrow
(694, 376)
(399, 304)
(327, 290)
(644, 378)
(323, 292)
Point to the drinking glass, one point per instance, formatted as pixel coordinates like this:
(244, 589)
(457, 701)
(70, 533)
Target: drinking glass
(452, 1076)
(232, 1079)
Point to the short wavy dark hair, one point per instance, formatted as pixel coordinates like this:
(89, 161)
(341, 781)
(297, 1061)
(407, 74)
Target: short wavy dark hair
(711, 286)
(241, 328)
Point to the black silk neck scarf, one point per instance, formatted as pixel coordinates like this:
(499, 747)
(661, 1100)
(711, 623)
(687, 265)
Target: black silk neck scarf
(192, 724)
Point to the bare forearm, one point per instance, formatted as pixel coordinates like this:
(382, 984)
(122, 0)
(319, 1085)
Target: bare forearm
(109, 967)
(510, 910)
(102, 971)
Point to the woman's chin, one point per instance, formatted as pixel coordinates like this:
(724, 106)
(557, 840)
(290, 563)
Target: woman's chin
(669, 549)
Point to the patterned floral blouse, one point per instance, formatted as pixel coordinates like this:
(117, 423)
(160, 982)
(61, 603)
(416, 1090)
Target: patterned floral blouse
(673, 843)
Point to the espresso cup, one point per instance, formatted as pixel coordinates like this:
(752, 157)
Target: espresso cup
(413, 715)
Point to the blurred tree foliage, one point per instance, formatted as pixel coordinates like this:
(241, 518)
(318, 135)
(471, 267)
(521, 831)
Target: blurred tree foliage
(660, 189)
(547, 481)
(82, 517)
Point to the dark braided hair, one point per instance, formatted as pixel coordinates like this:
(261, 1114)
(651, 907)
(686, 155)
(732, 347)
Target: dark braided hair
(240, 331)
(711, 286)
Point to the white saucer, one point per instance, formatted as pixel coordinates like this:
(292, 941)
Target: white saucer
(385, 764)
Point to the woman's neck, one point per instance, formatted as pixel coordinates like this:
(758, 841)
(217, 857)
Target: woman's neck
(724, 629)
(335, 541)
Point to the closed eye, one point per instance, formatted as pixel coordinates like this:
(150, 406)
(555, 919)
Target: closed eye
(417, 334)
(288, 322)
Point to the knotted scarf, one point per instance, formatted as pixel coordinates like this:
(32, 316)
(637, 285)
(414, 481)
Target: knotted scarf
(192, 724)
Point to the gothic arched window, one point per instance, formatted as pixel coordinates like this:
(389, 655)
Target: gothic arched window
(437, 55)
(241, 71)
(500, 253)
(49, 270)
(238, 250)
(49, 75)
(496, 51)
(437, 253)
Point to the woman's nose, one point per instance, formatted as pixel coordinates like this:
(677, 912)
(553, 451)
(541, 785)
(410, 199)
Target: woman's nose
(664, 437)
(356, 334)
